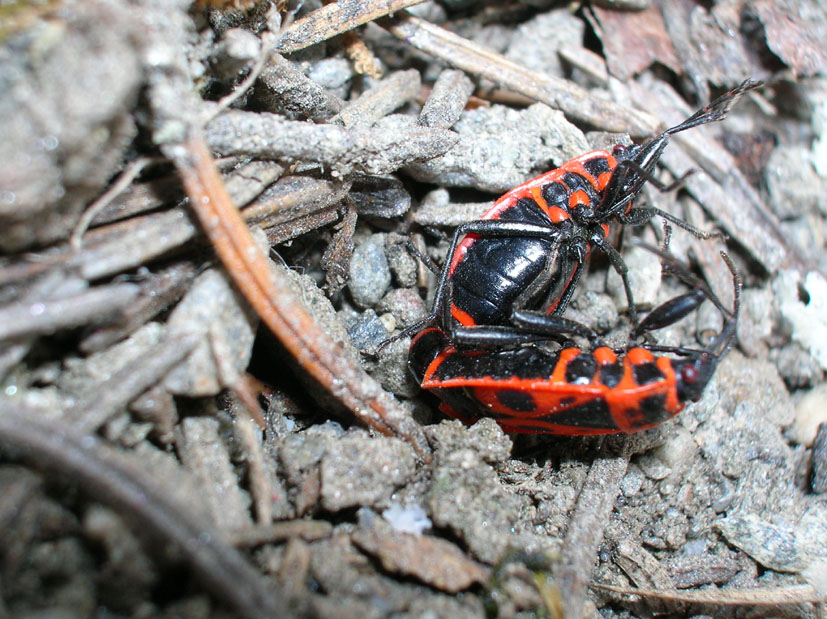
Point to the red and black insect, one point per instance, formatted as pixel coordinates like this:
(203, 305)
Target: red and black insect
(573, 391)
(529, 249)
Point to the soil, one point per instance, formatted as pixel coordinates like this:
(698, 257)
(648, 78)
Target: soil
(165, 450)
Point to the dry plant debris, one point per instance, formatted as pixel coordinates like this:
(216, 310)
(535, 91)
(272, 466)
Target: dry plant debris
(204, 218)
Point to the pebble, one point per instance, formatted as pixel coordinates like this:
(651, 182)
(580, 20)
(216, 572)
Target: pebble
(594, 309)
(367, 331)
(405, 304)
(803, 305)
(370, 274)
(796, 366)
(402, 264)
(810, 413)
(331, 72)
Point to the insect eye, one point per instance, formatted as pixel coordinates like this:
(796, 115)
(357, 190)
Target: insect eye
(689, 374)
(618, 149)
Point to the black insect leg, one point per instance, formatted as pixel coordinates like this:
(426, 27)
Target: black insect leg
(423, 258)
(620, 266)
(557, 261)
(571, 286)
(670, 312)
(638, 216)
(675, 309)
(498, 337)
(553, 326)
(489, 336)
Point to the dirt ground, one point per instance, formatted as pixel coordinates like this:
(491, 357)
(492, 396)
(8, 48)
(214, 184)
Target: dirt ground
(205, 217)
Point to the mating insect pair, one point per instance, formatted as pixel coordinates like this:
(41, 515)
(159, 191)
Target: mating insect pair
(571, 391)
(508, 277)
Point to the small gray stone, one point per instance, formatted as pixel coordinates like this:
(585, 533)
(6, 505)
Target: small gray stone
(367, 332)
(331, 72)
(632, 482)
(370, 274)
(405, 304)
(392, 369)
(653, 467)
(594, 309)
(773, 546)
(238, 47)
(402, 264)
(796, 366)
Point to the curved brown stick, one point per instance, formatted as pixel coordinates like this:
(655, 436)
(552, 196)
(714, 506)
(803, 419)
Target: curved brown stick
(278, 307)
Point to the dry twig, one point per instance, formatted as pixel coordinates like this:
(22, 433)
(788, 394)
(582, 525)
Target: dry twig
(585, 530)
(554, 91)
(781, 596)
(336, 18)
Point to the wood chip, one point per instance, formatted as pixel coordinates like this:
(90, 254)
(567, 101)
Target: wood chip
(796, 32)
(434, 561)
(634, 40)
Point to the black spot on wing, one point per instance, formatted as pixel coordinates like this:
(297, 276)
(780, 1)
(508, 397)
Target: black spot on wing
(555, 194)
(654, 408)
(516, 400)
(611, 374)
(525, 210)
(597, 166)
(646, 373)
(576, 181)
(594, 414)
(581, 369)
